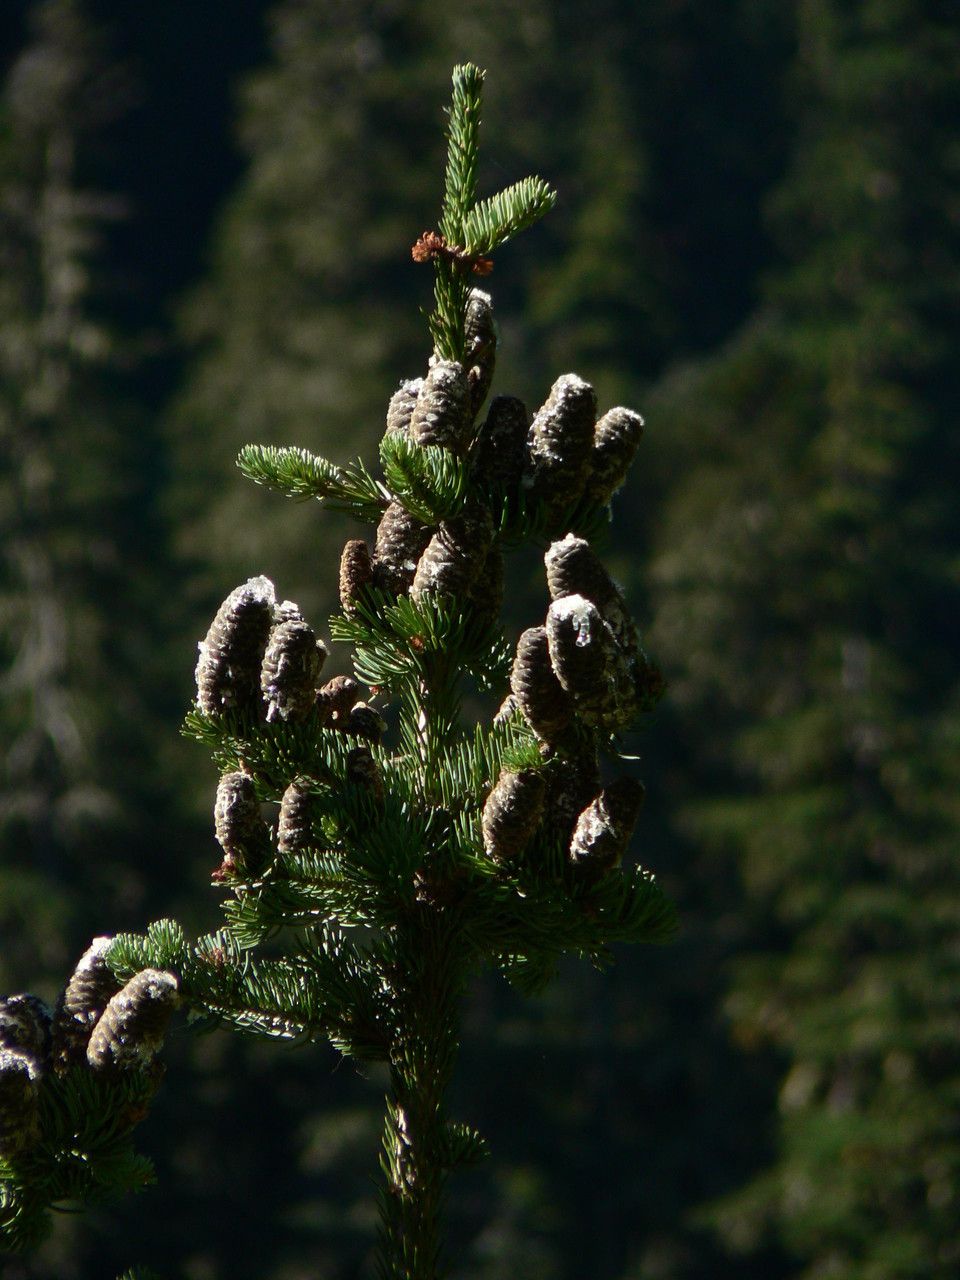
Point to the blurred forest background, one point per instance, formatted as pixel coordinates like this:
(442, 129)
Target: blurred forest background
(205, 218)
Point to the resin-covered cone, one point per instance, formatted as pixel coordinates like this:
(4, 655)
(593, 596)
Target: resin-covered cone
(455, 556)
(81, 1003)
(356, 574)
(364, 721)
(544, 702)
(512, 813)
(228, 670)
(585, 657)
(500, 449)
(241, 831)
(480, 336)
(616, 439)
(291, 671)
(130, 1032)
(20, 1075)
(295, 824)
(336, 699)
(604, 828)
(573, 569)
(572, 782)
(441, 415)
(26, 1023)
(401, 407)
(401, 539)
(559, 443)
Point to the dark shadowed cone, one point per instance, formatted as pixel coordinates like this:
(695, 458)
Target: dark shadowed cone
(500, 451)
(480, 333)
(81, 1003)
(573, 569)
(543, 700)
(616, 439)
(130, 1032)
(486, 593)
(572, 782)
(441, 413)
(228, 672)
(291, 671)
(20, 1076)
(335, 700)
(604, 828)
(363, 776)
(356, 574)
(585, 656)
(364, 721)
(242, 832)
(294, 829)
(455, 555)
(402, 404)
(559, 442)
(512, 813)
(401, 539)
(26, 1023)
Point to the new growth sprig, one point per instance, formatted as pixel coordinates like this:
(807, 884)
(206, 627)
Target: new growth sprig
(470, 231)
(387, 850)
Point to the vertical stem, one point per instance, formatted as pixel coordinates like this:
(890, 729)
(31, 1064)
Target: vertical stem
(415, 1157)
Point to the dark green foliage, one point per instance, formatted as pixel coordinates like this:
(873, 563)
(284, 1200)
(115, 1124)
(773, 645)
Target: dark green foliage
(806, 582)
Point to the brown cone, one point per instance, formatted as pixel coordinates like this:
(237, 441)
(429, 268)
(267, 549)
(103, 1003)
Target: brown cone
(544, 702)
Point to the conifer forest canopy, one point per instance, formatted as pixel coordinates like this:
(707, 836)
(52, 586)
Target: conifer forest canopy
(206, 221)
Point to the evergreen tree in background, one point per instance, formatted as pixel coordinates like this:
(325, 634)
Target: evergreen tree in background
(809, 586)
(69, 548)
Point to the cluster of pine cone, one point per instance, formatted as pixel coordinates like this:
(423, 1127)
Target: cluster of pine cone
(580, 675)
(99, 1024)
(261, 657)
(563, 457)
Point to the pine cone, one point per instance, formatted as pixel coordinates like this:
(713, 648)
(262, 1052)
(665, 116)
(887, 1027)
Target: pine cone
(500, 451)
(585, 657)
(544, 702)
(81, 1003)
(572, 782)
(512, 813)
(455, 555)
(335, 700)
(402, 404)
(131, 1030)
(286, 611)
(228, 671)
(26, 1024)
(401, 539)
(291, 671)
(20, 1075)
(242, 832)
(480, 333)
(440, 415)
(604, 828)
(573, 569)
(295, 828)
(363, 776)
(364, 721)
(356, 574)
(559, 443)
(616, 439)
(486, 593)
